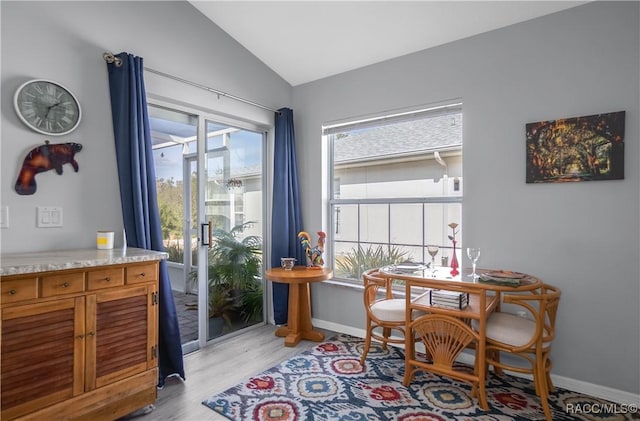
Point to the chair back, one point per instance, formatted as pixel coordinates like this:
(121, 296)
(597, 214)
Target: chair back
(385, 313)
(446, 332)
(543, 305)
(377, 287)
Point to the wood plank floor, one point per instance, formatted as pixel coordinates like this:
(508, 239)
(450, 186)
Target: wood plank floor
(219, 367)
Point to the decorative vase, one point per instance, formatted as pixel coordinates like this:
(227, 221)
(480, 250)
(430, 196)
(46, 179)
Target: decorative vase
(454, 261)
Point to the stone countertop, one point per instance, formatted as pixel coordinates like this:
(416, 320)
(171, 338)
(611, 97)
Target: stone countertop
(23, 263)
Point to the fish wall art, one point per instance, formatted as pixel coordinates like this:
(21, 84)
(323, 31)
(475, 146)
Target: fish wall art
(44, 158)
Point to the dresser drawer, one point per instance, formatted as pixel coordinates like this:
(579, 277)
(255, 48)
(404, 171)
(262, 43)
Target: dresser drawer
(19, 290)
(67, 283)
(105, 278)
(142, 273)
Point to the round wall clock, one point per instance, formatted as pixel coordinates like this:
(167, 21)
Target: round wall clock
(47, 107)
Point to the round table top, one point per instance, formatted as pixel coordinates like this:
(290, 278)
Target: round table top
(298, 275)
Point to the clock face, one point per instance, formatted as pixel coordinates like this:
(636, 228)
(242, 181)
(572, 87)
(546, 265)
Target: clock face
(47, 107)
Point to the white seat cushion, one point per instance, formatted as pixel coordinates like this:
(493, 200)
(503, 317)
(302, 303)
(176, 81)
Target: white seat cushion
(392, 310)
(508, 328)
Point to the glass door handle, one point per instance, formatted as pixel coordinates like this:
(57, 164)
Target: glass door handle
(208, 236)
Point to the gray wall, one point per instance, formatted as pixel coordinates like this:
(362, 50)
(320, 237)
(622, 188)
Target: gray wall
(64, 42)
(582, 237)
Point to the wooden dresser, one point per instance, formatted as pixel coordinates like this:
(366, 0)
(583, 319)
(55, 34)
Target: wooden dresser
(79, 333)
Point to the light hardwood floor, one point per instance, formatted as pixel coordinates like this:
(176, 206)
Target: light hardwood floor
(218, 367)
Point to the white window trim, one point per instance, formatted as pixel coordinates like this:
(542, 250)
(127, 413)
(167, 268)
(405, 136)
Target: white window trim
(373, 121)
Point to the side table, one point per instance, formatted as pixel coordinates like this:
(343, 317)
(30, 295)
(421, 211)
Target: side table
(299, 316)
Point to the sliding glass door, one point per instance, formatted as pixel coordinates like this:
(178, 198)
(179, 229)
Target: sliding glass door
(231, 206)
(210, 191)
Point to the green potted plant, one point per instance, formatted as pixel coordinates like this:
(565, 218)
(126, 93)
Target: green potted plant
(251, 307)
(222, 308)
(236, 263)
(235, 287)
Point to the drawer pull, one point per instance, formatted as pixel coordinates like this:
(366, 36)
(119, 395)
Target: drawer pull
(65, 285)
(81, 336)
(91, 333)
(107, 279)
(13, 292)
(142, 274)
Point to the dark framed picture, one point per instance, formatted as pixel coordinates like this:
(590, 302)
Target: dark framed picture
(576, 149)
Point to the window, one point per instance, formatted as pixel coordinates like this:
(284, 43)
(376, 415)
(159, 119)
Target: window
(173, 135)
(397, 185)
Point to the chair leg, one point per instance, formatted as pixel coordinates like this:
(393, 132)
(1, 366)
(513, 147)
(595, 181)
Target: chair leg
(490, 358)
(496, 368)
(386, 333)
(547, 371)
(479, 389)
(367, 345)
(409, 354)
(550, 386)
(540, 373)
(408, 376)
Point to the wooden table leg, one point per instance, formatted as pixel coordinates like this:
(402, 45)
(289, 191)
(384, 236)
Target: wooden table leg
(299, 317)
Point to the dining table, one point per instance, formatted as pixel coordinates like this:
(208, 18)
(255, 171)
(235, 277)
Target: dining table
(484, 292)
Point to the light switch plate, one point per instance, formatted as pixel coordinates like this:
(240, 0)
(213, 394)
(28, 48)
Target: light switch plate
(4, 217)
(49, 217)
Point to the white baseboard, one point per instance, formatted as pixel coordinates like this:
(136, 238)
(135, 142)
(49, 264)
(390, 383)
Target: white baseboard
(578, 386)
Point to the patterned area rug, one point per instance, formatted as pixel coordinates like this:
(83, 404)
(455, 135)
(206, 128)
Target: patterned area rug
(328, 383)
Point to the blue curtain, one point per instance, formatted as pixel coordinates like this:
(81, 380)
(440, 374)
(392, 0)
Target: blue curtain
(140, 213)
(286, 215)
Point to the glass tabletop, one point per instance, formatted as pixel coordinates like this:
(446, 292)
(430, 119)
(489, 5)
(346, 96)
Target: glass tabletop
(488, 278)
(423, 271)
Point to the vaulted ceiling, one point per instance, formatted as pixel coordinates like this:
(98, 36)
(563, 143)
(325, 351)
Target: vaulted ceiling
(304, 41)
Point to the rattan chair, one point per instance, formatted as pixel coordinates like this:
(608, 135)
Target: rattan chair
(385, 312)
(529, 338)
(446, 333)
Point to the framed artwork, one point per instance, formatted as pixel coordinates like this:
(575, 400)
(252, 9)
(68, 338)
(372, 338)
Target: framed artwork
(576, 149)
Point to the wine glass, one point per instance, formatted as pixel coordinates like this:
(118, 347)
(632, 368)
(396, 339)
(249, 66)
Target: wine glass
(473, 253)
(433, 251)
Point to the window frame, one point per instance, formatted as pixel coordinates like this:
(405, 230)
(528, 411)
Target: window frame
(329, 130)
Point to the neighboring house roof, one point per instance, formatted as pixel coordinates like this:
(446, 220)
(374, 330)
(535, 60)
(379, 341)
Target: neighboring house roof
(428, 134)
(434, 133)
(243, 172)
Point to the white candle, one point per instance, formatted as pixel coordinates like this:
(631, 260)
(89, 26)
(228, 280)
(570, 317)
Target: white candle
(104, 240)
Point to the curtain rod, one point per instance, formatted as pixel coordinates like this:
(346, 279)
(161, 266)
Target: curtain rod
(110, 58)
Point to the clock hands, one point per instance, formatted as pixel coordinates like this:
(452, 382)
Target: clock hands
(49, 109)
